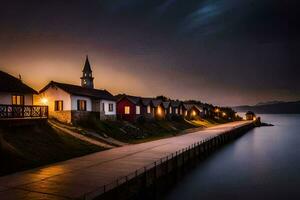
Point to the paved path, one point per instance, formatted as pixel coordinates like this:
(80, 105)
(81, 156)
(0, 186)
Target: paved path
(73, 178)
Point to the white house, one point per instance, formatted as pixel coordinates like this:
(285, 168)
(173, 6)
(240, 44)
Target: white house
(70, 103)
(14, 92)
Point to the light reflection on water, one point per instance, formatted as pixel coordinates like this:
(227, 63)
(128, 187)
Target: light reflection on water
(263, 164)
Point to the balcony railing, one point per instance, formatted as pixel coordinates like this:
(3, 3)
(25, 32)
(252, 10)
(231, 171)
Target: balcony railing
(23, 111)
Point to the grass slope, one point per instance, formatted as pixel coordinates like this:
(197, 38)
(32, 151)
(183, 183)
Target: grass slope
(35, 145)
(139, 131)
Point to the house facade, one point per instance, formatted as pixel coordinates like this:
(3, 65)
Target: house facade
(158, 109)
(16, 100)
(175, 105)
(129, 108)
(250, 115)
(14, 92)
(193, 111)
(147, 108)
(71, 103)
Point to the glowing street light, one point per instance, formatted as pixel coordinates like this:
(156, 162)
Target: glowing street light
(224, 114)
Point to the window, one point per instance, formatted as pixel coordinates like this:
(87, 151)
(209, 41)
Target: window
(110, 107)
(103, 107)
(17, 100)
(170, 110)
(81, 105)
(148, 109)
(58, 106)
(176, 110)
(137, 110)
(127, 110)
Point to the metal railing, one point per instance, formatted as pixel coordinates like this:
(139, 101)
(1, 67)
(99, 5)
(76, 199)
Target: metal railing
(22, 111)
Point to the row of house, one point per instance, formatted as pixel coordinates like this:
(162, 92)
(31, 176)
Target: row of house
(132, 108)
(70, 103)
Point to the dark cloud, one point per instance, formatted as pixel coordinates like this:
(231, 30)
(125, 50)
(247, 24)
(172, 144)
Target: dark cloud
(203, 47)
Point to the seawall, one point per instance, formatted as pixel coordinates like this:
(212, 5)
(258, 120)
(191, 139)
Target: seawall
(138, 183)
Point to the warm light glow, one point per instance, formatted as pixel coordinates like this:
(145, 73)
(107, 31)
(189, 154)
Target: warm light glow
(254, 118)
(194, 113)
(126, 110)
(159, 112)
(217, 110)
(224, 114)
(44, 101)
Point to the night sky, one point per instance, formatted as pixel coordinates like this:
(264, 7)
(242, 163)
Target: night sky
(226, 52)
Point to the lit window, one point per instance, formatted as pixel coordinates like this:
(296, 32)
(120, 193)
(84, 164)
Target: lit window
(110, 107)
(159, 110)
(81, 105)
(127, 110)
(138, 110)
(58, 106)
(17, 100)
(148, 109)
(176, 110)
(170, 110)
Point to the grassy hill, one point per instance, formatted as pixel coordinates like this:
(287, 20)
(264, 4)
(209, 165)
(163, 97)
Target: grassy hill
(35, 145)
(136, 132)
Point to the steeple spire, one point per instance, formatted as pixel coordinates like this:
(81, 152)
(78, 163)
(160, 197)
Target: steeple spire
(87, 66)
(87, 79)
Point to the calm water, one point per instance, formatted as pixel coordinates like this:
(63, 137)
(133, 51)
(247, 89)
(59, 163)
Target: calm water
(263, 164)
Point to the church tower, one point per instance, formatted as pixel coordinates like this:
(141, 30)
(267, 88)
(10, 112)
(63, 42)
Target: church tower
(87, 79)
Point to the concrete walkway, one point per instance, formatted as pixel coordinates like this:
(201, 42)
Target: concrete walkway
(73, 178)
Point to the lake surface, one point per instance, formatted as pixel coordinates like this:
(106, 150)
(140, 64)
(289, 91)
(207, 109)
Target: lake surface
(262, 164)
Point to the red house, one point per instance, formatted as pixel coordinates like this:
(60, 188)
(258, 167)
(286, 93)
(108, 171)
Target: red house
(129, 107)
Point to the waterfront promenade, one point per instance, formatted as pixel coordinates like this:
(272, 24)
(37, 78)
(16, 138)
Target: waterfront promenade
(74, 178)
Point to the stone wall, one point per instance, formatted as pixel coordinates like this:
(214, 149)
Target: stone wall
(84, 115)
(62, 116)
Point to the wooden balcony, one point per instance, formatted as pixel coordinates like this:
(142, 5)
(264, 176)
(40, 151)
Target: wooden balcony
(10, 112)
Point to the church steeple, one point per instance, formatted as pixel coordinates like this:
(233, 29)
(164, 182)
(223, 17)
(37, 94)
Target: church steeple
(87, 79)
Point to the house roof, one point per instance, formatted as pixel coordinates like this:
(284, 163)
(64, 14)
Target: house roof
(166, 104)
(156, 102)
(175, 103)
(9, 83)
(250, 113)
(132, 99)
(190, 106)
(146, 101)
(81, 91)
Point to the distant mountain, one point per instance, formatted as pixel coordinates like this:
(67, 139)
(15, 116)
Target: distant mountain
(269, 103)
(274, 107)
